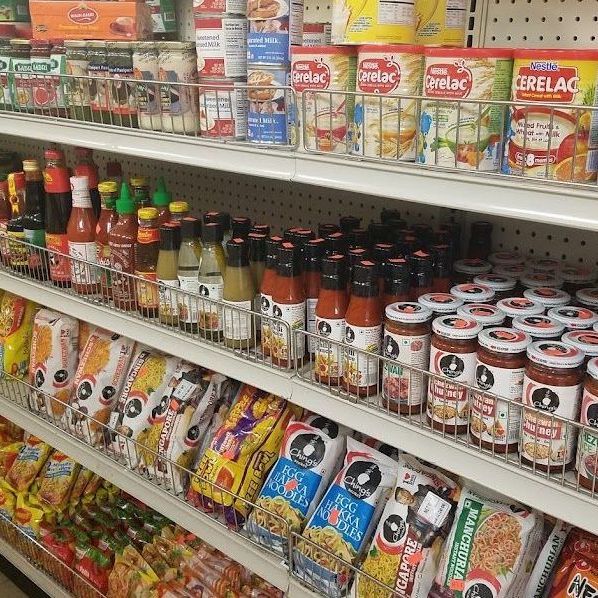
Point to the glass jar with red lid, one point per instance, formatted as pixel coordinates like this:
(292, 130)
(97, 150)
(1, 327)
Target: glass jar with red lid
(483, 313)
(577, 277)
(584, 340)
(407, 334)
(552, 385)
(588, 297)
(506, 258)
(473, 293)
(587, 448)
(503, 286)
(500, 368)
(533, 280)
(440, 303)
(548, 296)
(540, 328)
(453, 352)
(467, 269)
(573, 317)
(519, 306)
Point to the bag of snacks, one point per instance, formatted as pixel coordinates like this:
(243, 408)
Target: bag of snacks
(53, 361)
(16, 326)
(415, 521)
(94, 567)
(60, 543)
(309, 456)
(103, 365)
(492, 546)
(142, 402)
(241, 453)
(28, 464)
(343, 520)
(131, 575)
(59, 477)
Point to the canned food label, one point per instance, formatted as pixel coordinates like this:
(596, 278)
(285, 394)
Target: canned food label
(82, 273)
(328, 355)
(234, 7)
(359, 369)
(188, 304)
(440, 23)
(221, 47)
(267, 118)
(266, 310)
(587, 452)
(317, 34)
(223, 112)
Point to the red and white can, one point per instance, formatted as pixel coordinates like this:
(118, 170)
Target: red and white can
(316, 34)
(223, 109)
(221, 43)
(213, 7)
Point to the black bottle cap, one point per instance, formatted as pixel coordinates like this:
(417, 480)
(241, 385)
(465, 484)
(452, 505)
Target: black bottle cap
(381, 252)
(241, 227)
(397, 268)
(289, 259)
(238, 252)
(211, 232)
(257, 247)
(313, 251)
(358, 237)
(421, 261)
(379, 232)
(349, 223)
(223, 218)
(336, 243)
(327, 229)
(262, 229)
(170, 236)
(190, 227)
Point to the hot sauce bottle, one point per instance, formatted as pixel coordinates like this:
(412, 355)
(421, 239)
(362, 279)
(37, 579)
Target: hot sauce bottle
(363, 332)
(397, 281)
(441, 282)
(146, 260)
(288, 305)
(313, 252)
(422, 274)
(86, 167)
(108, 218)
(14, 229)
(269, 281)
(330, 320)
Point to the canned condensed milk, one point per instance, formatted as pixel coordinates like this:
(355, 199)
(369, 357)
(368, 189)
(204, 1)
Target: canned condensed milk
(211, 7)
(223, 109)
(386, 128)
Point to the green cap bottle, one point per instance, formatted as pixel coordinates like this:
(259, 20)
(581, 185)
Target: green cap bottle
(161, 197)
(125, 204)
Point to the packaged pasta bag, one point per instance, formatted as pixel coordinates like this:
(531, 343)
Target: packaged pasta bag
(309, 456)
(241, 453)
(28, 464)
(103, 366)
(60, 474)
(406, 547)
(343, 520)
(16, 326)
(491, 548)
(53, 361)
(555, 533)
(142, 404)
(28, 514)
(576, 572)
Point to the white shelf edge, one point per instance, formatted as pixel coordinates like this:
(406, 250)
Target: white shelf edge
(267, 566)
(37, 576)
(159, 337)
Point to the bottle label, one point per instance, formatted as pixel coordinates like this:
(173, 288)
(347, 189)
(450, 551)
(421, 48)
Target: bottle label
(103, 259)
(189, 305)
(587, 453)
(310, 317)
(17, 251)
(168, 296)
(284, 346)
(122, 259)
(400, 385)
(36, 237)
(545, 440)
(60, 267)
(148, 235)
(56, 180)
(266, 309)
(147, 290)
(448, 403)
(237, 325)
(492, 420)
(359, 369)
(210, 314)
(82, 273)
(328, 355)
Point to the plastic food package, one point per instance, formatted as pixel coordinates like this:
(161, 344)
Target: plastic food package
(343, 521)
(83, 478)
(131, 575)
(9, 432)
(94, 566)
(241, 453)
(405, 550)
(497, 542)
(8, 454)
(53, 361)
(103, 366)
(142, 402)
(309, 456)
(60, 475)
(16, 325)
(28, 464)
(28, 514)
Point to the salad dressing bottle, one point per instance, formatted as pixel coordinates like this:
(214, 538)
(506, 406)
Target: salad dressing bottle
(166, 273)
(188, 270)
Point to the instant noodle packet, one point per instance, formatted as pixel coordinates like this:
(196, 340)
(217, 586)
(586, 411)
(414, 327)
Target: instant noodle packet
(8, 503)
(131, 575)
(343, 520)
(8, 454)
(59, 477)
(53, 361)
(83, 478)
(406, 547)
(103, 366)
(16, 325)
(241, 453)
(9, 432)
(28, 464)
(309, 456)
(28, 514)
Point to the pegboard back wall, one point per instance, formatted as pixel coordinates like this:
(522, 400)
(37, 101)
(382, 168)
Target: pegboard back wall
(283, 204)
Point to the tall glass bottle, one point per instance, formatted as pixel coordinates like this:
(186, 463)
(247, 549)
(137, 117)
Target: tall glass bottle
(18, 259)
(166, 272)
(257, 264)
(108, 218)
(34, 219)
(313, 251)
(188, 271)
(269, 280)
(5, 214)
(87, 167)
(146, 261)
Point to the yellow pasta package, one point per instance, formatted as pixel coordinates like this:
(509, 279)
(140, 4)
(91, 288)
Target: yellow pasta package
(241, 453)
(28, 514)
(28, 464)
(16, 324)
(60, 475)
(8, 503)
(89, 494)
(53, 361)
(103, 365)
(8, 454)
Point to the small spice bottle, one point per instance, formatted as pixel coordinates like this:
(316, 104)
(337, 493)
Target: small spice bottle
(574, 318)
(519, 306)
(500, 368)
(588, 297)
(587, 448)
(503, 286)
(552, 386)
(467, 269)
(548, 296)
(453, 355)
(584, 340)
(577, 277)
(473, 293)
(483, 313)
(440, 303)
(540, 328)
(406, 340)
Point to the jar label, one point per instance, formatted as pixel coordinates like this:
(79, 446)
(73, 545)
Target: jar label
(168, 297)
(122, 259)
(188, 305)
(266, 309)
(283, 344)
(237, 325)
(587, 451)
(103, 259)
(401, 385)
(147, 290)
(82, 273)
(359, 369)
(310, 308)
(493, 420)
(544, 440)
(329, 355)
(210, 314)
(447, 403)
(60, 269)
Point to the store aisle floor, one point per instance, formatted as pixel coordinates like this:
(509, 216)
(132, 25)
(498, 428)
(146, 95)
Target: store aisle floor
(9, 590)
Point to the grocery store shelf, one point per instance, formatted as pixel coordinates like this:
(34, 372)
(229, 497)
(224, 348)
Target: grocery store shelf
(271, 568)
(32, 571)
(159, 337)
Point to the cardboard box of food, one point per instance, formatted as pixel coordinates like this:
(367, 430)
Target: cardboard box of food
(14, 10)
(123, 21)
